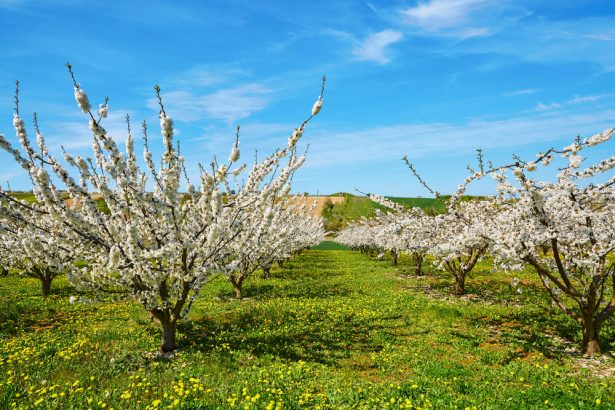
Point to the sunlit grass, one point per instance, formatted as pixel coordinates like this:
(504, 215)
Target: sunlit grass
(332, 329)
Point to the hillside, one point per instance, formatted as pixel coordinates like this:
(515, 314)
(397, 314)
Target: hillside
(340, 213)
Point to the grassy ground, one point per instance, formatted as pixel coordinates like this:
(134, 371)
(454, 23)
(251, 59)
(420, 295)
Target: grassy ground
(329, 246)
(333, 329)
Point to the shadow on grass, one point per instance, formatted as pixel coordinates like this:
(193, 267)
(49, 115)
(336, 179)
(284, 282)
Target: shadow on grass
(313, 340)
(300, 289)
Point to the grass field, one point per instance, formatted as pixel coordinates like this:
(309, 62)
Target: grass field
(332, 329)
(329, 246)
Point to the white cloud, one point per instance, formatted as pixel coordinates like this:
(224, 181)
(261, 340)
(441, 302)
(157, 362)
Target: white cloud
(373, 48)
(578, 99)
(228, 104)
(334, 149)
(75, 134)
(461, 19)
(205, 76)
(545, 107)
(584, 98)
(545, 41)
(524, 91)
(436, 15)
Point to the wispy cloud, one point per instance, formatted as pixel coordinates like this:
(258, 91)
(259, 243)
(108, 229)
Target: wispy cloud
(74, 133)
(371, 145)
(374, 47)
(227, 104)
(461, 19)
(578, 99)
(547, 41)
(524, 91)
(206, 76)
(437, 15)
(545, 107)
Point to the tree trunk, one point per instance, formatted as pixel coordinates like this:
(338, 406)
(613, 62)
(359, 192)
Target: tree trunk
(169, 333)
(46, 286)
(281, 263)
(266, 272)
(395, 257)
(237, 284)
(460, 284)
(418, 265)
(591, 332)
(4, 271)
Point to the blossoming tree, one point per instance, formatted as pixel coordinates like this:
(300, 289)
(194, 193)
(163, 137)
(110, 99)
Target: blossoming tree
(163, 237)
(414, 228)
(273, 234)
(31, 243)
(574, 218)
(461, 240)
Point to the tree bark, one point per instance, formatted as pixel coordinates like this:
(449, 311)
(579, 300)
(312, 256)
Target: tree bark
(418, 264)
(460, 284)
(266, 272)
(168, 322)
(46, 286)
(395, 257)
(237, 284)
(591, 331)
(169, 335)
(4, 271)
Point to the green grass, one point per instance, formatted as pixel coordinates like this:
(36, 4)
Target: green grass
(428, 204)
(28, 196)
(329, 246)
(332, 329)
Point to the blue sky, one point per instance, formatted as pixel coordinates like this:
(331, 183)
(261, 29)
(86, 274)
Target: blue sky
(433, 79)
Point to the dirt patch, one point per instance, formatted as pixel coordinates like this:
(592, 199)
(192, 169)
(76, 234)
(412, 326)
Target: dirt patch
(320, 202)
(95, 197)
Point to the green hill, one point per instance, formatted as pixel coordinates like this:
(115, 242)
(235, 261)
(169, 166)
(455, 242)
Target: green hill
(353, 207)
